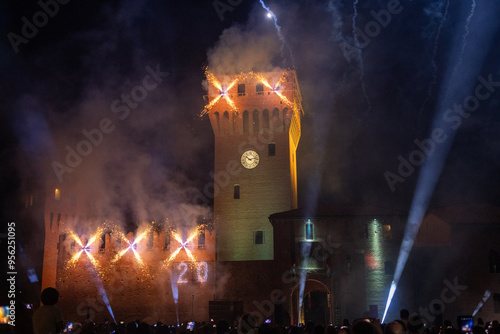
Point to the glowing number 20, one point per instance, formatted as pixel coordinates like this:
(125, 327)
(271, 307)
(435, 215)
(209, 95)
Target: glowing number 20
(202, 272)
(184, 267)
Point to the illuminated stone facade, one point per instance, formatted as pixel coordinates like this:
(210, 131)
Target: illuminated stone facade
(353, 252)
(348, 252)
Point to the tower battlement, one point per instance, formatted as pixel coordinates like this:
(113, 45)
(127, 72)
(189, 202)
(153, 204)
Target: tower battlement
(253, 103)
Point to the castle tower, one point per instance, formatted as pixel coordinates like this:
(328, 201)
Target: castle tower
(256, 121)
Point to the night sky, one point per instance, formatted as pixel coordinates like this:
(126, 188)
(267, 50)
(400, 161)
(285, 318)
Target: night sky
(369, 98)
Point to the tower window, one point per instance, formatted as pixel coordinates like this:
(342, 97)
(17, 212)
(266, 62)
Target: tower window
(57, 194)
(387, 232)
(309, 230)
(236, 191)
(259, 237)
(241, 90)
(271, 149)
(51, 219)
(260, 89)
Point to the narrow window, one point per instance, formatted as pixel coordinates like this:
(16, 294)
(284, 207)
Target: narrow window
(259, 237)
(309, 231)
(58, 219)
(255, 122)
(241, 90)
(51, 219)
(389, 267)
(265, 116)
(236, 191)
(166, 245)
(271, 149)
(201, 240)
(260, 89)
(57, 194)
(246, 123)
(387, 232)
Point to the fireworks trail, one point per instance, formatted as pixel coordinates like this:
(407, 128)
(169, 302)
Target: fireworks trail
(278, 29)
(434, 67)
(337, 22)
(467, 30)
(464, 43)
(360, 56)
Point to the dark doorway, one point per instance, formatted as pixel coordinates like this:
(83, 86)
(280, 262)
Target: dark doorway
(316, 307)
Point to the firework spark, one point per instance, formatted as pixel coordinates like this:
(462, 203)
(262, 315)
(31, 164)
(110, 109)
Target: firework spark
(183, 245)
(224, 92)
(85, 249)
(131, 246)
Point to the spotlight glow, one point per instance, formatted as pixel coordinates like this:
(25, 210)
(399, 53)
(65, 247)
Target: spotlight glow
(459, 80)
(487, 295)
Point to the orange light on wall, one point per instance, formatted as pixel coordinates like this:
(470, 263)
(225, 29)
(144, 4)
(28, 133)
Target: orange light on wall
(57, 194)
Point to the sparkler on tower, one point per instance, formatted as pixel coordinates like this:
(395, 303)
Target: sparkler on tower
(224, 88)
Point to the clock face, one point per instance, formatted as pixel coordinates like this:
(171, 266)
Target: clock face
(250, 159)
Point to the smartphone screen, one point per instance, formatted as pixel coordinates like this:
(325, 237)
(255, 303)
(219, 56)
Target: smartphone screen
(466, 323)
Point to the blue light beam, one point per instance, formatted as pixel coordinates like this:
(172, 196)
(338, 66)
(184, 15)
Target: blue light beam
(464, 66)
